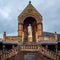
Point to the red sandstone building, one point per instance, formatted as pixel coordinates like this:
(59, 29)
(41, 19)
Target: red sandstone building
(32, 43)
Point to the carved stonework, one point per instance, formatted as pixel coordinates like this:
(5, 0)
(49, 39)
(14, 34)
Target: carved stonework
(30, 13)
(30, 10)
(31, 43)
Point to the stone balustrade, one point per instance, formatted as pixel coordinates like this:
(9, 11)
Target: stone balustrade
(47, 39)
(38, 48)
(47, 53)
(29, 48)
(41, 49)
(10, 53)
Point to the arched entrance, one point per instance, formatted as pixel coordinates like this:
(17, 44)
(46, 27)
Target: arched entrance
(33, 23)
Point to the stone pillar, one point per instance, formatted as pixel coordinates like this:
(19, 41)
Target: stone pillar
(4, 36)
(13, 46)
(36, 37)
(22, 37)
(56, 47)
(20, 30)
(3, 48)
(39, 29)
(46, 46)
(56, 37)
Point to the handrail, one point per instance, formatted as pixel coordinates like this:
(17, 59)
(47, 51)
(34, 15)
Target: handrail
(46, 52)
(10, 53)
(39, 48)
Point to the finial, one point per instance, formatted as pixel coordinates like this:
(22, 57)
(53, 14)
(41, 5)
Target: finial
(55, 32)
(29, 2)
(4, 32)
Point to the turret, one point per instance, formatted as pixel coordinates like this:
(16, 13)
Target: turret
(4, 36)
(56, 37)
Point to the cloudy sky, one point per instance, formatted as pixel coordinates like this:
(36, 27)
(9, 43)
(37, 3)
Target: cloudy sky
(10, 9)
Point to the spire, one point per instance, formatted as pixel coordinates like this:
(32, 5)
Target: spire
(29, 2)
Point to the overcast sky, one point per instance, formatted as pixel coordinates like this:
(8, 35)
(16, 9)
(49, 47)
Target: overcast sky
(10, 9)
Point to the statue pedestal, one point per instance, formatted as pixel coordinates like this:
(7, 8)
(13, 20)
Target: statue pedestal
(29, 39)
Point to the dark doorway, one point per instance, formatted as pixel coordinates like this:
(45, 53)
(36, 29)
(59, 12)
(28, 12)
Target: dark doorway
(27, 21)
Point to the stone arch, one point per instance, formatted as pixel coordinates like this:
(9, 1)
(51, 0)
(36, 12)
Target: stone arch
(35, 16)
(33, 22)
(30, 11)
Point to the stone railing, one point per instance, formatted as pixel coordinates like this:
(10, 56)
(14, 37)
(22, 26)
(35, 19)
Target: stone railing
(47, 39)
(29, 48)
(47, 53)
(38, 48)
(9, 54)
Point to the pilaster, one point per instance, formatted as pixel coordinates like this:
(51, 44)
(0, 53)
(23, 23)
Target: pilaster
(20, 29)
(39, 29)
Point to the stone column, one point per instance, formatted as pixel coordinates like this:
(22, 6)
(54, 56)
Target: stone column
(56, 37)
(4, 36)
(36, 37)
(13, 46)
(46, 46)
(3, 48)
(56, 47)
(39, 29)
(20, 29)
(22, 37)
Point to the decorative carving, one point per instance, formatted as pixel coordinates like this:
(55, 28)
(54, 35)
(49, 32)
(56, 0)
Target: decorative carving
(30, 10)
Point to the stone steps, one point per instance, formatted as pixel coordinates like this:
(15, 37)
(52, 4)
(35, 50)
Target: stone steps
(47, 53)
(41, 50)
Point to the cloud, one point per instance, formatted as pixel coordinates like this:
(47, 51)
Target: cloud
(51, 15)
(5, 12)
(10, 9)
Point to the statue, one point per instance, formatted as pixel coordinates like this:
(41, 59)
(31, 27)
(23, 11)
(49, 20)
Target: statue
(29, 33)
(29, 30)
